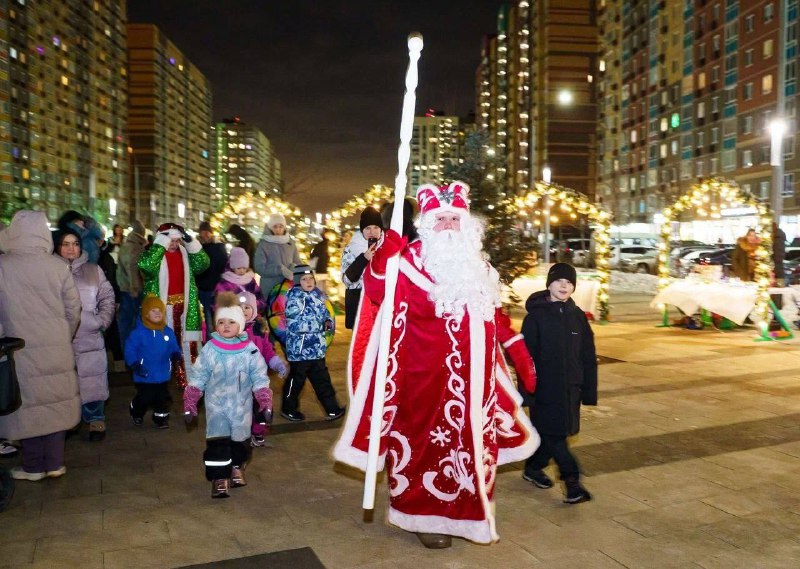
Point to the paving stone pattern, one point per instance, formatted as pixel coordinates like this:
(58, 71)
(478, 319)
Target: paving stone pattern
(693, 457)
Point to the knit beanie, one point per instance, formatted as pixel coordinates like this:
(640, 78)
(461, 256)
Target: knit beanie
(370, 216)
(299, 271)
(228, 307)
(275, 219)
(150, 302)
(249, 299)
(238, 258)
(562, 271)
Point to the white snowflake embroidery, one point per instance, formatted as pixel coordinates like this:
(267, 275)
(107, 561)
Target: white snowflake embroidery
(440, 436)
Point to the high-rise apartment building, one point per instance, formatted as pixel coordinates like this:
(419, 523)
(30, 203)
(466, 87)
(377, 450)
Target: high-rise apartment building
(169, 121)
(434, 143)
(687, 91)
(63, 113)
(243, 161)
(536, 92)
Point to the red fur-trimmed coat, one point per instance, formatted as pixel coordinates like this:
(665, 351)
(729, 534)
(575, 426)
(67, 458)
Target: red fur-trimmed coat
(452, 413)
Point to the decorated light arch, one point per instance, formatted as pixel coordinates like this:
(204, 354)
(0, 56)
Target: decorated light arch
(251, 210)
(335, 223)
(572, 204)
(708, 198)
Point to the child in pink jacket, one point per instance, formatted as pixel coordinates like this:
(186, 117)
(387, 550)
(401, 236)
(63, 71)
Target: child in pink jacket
(259, 335)
(238, 278)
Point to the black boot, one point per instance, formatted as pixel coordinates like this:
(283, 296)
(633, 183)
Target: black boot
(576, 493)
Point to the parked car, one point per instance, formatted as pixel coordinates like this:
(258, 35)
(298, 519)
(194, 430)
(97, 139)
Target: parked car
(618, 253)
(683, 263)
(719, 257)
(791, 266)
(578, 251)
(644, 263)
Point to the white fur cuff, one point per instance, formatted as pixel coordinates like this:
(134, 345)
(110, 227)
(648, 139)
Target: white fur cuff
(162, 240)
(193, 246)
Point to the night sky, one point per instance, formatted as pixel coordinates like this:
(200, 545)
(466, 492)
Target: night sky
(324, 79)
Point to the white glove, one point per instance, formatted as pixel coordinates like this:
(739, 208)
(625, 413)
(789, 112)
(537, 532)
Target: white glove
(287, 272)
(277, 364)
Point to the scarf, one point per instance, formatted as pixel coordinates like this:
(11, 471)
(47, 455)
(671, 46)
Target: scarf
(240, 280)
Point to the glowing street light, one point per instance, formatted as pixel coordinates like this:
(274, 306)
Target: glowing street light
(777, 130)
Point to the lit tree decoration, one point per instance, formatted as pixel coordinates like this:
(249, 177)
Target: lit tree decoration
(707, 199)
(251, 210)
(572, 204)
(335, 223)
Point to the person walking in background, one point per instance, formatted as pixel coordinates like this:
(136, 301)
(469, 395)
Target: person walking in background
(561, 343)
(129, 280)
(778, 254)
(307, 320)
(318, 260)
(243, 240)
(256, 329)
(116, 240)
(743, 260)
(239, 278)
(97, 313)
(231, 373)
(208, 279)
(111, 335)
(276, 254)
(150, 352)
(169, 268)
(356, 257)
(40, 304)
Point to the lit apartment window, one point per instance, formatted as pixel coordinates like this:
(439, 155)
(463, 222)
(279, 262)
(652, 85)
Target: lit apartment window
(701, 80)
(701, 110)
(763, 189)
(766, 84)
(747, 125)
(747, 158)
(767, 51)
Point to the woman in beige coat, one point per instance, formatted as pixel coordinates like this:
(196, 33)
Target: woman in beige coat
(40, 304)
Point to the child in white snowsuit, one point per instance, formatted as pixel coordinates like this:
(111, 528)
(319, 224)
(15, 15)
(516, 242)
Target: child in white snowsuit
(231, 372)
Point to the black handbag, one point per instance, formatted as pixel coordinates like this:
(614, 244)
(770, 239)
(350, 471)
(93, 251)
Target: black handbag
(10, 398)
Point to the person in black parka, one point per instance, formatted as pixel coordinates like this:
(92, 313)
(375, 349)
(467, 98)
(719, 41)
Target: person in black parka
(561, 343)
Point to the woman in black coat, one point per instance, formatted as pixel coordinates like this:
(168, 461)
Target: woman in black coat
(561, 343)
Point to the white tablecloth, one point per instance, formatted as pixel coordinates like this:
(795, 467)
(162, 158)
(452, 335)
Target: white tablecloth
(585, 295)
(733, 300)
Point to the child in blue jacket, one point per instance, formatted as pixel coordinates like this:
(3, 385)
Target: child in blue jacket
(149, 352)
(307, 319)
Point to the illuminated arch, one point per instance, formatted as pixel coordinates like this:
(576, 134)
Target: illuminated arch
(708, 198)
(574, 203)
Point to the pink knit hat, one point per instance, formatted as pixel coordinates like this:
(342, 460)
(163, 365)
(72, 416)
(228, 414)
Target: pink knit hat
(248, 298)
(238, 258)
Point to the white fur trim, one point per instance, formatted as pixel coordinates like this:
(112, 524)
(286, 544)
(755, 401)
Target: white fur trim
(473, 530)
(193, 246)
(161, 239)
(508, 455)
(376, 275)
(512, 340)
(415, 276)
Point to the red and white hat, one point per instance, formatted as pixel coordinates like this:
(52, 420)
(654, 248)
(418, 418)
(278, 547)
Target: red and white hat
(436, 199)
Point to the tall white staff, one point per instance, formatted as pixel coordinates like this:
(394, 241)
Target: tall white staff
(392, 268)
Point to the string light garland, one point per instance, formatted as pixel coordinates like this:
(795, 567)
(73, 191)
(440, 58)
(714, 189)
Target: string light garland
(251, 210)
(572, 204)
(708, 198)
(335, 223)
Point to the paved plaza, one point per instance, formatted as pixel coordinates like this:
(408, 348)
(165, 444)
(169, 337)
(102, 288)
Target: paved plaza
(693, 457)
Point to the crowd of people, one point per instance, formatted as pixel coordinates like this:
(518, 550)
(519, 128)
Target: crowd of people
(189, 312)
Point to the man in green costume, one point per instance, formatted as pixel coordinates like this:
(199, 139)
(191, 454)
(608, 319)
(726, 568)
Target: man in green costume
(169, 268)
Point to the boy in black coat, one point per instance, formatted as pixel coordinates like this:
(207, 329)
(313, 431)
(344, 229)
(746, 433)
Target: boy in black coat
(561, 343)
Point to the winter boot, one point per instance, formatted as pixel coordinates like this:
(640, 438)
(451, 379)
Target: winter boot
(435, 540)
(575, 492)
(97, 431)
(237, 477)
(161, 420)
(138, 421)
(220, 487)
(538, 478)
(257, 441)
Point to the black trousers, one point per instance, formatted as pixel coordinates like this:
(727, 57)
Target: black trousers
(555, 447)
(152, 395)
(317, 372)
(222, 454)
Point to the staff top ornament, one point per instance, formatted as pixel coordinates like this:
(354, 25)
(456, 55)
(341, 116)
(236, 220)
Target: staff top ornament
(436, 199)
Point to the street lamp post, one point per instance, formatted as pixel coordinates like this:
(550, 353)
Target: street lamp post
(777, 129)
(546, 174)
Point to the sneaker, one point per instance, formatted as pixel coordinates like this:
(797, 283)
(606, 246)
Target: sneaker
(337, 414)
(7, 450)
(161, 420)
(57, 473)
(237, 477)
(220, 488)
(19, 473)
(293, 416)
(576, 493)
(257, 441)
(538, 478)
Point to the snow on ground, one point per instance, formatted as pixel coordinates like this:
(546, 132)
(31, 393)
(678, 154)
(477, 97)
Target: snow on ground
(633, 283)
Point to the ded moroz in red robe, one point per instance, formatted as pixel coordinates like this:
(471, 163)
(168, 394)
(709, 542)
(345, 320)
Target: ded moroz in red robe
(452, 413)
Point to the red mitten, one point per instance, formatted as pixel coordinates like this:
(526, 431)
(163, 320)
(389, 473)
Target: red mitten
(390, 245)
(522, 362)
(191, 397)
(264, 398)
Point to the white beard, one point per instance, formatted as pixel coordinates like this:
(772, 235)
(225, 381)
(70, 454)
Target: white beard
(462, 276)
